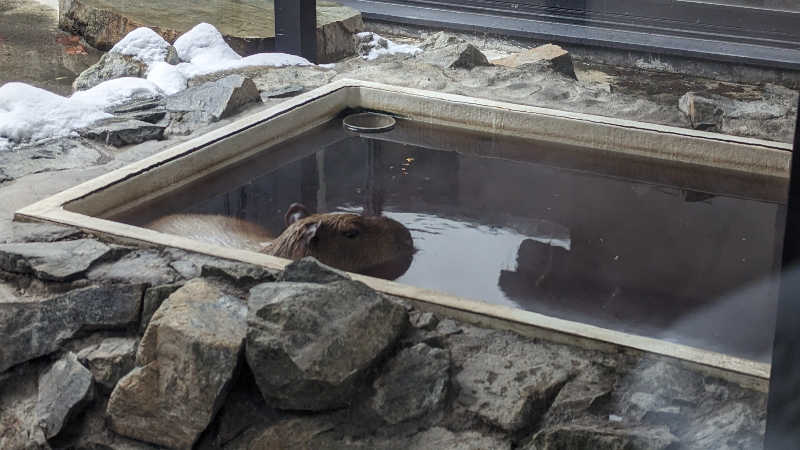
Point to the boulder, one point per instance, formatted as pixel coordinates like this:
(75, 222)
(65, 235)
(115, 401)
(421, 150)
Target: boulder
(50, 155)
(19, 425)
(241, 275)
(276, 81)
(443, 439)
(548, 55)
(731, 425)
(111, 65)
(299, 433)
(64, 390)
(147, 110)
(460, 56)
(185, 363)
(309, 345)
(248, 28)
(580, 394)
(110, 360)
(153, 298)
(30, 328)
(121, 131)
(209, 102)
(38, 232)
(423, 320)
(139, 266)
(309, 270)
(595, 437)
(56, 261)
(507, 382)
(413, 384)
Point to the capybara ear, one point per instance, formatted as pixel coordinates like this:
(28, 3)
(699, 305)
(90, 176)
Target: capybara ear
(295, 212)
(310, 231)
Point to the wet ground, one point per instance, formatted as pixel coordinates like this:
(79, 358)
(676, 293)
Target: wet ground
(33, 50)
(679, 253)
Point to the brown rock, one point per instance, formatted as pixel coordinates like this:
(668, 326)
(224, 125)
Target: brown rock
(548, 55)
(186, 361)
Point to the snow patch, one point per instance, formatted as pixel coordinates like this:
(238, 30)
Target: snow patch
(379, 46)
(204, 44)
(117, 91)
(29, 113)
(167, 77)
(144, 44)
(205, 51)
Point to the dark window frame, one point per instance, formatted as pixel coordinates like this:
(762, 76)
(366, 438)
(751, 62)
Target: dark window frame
(689, 18)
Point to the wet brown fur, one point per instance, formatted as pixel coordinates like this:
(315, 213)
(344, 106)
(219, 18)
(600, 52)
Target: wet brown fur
(374, 245)
(377, 240)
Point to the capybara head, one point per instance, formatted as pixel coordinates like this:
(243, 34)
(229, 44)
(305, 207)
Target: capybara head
(370, 245)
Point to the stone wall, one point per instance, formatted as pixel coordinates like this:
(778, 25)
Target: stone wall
(110, 346)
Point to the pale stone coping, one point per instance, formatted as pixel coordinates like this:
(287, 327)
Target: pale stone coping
(188, 161)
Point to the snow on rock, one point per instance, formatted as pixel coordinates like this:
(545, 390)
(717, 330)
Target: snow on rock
(117, 91)
(371, 46)
(274, 60)
(144, 44)
(203, 44)
(167, 77)
(29, 113)
(205, 51)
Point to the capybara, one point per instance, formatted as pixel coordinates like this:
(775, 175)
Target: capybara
(371, 245)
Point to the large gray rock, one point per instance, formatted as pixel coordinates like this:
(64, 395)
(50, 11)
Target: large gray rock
(50, 155)
(308, 345)
(110, 360)
(153, 298)
(732, 425)
(242, 275)
(575, 436)
(413, 384)
(110, 66)
(19, 425)
(30, 328)
(37, 232)
(148, 110)
(547, 56)
(119, 131)
(185, 364)
(140, 266)
(506, 381)
(276, 81)
(309, 270)
(209, 102)
(460, 56)
(299, 433)
(64, 390)
(580, 394)
(443, 439)
(57, 261)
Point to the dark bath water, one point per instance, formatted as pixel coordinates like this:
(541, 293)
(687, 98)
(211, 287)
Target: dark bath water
(670, 251)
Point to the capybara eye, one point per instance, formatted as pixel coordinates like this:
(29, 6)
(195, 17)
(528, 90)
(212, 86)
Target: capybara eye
(351, 233)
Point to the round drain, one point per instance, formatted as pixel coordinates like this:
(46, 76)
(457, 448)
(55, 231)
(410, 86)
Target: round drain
(368, 122)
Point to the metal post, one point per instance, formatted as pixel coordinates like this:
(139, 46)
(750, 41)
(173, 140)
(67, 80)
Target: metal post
(296, 28)
(783, 408)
